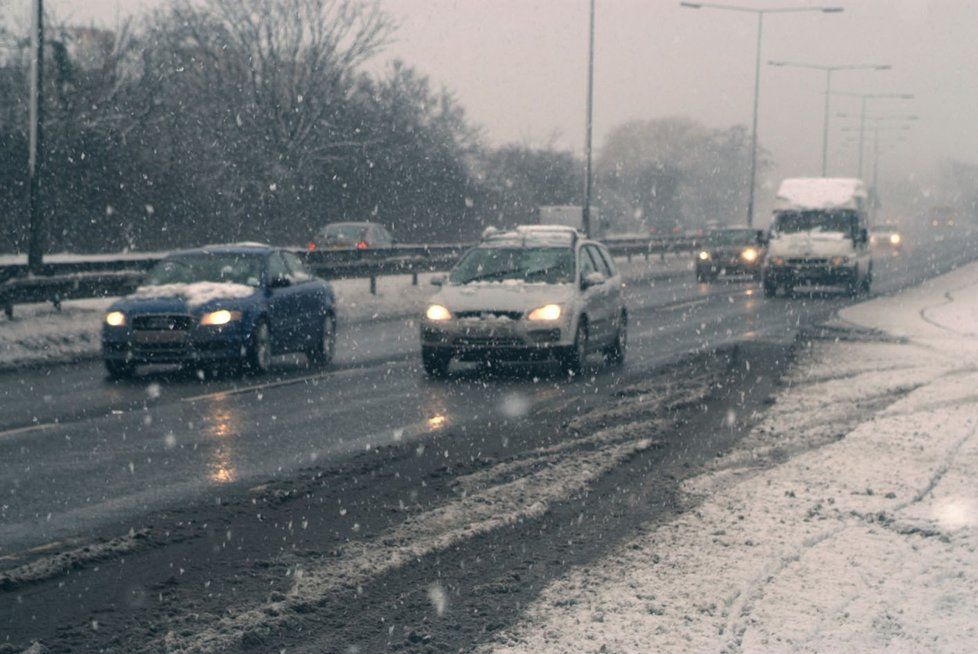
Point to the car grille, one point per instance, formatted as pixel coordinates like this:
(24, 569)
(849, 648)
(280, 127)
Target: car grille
(511, 315)
(162, 322)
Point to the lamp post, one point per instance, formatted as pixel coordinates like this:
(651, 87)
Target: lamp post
(35, 157)
(760, 13)
(586, 209)
(864, 99)
(828, 70)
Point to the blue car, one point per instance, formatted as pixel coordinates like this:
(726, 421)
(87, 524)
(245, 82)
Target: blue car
(228, 304)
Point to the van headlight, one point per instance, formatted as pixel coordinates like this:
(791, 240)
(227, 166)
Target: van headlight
(219, 317)
(115, 319)
(546, 312)
(749, 255)
(437, 313)
(895, 239)
(840, 261)
(704, 255)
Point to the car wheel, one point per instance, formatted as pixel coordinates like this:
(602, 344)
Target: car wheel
(119, 369)
(576, 355)
(258, 357)
(435, 362)
(702, 277)
(615, 354)
(321, 353)
(770, 288)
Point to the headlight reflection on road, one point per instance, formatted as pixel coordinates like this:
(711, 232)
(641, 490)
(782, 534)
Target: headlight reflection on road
(222, 423)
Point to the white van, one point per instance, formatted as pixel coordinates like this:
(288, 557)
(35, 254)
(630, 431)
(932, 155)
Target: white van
(819, 236)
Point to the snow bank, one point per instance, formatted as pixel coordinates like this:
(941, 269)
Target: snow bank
(821, 193)
(196, 294)
(847, 521)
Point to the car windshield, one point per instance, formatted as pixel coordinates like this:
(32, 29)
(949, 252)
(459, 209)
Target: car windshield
(732, 237)
(344, 233)
(816, 221)
(191, 269)
(550, 265)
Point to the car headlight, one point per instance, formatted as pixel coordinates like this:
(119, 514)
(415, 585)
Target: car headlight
(115, 319)
(840, 261)
(704, 255)
(219, 317)
(776, 261)
(437, 313)
(546, 312)
(895, 239)
(749, 255)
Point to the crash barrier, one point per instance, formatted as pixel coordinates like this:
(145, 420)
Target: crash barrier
(104, 276)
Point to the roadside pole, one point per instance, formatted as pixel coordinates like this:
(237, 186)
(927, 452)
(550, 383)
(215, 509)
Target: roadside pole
(35, 162)
(586, 208)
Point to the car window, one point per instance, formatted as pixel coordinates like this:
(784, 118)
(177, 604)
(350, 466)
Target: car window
(609, 261)
(276, 266)
(587, 263)
(298, 269)
(599, 262)
(544, 265)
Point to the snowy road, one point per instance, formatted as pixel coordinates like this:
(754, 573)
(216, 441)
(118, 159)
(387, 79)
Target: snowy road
(81, 457)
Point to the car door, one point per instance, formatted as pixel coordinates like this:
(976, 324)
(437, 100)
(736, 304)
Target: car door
(616, 300)
(595, 297)
(284, 303)
(311, 297)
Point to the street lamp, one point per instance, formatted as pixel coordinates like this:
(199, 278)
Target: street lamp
(757, 73)
(828, 91)
(864, 98)
(586, 209)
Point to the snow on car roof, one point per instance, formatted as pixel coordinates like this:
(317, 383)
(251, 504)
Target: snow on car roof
(534, 236)
(821, 193)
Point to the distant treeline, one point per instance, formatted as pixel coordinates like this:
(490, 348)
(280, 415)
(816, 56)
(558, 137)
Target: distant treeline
(220, 120)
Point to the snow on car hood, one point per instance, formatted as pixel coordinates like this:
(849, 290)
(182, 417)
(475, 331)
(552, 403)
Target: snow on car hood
(197, 294)
(508, 295)
(810, 244)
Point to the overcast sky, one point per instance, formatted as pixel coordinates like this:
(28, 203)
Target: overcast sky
(518, 66)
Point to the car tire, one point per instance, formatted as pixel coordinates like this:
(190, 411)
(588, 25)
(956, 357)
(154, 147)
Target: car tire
(258, 354)
(119, 369)
(435, 362)
(867, 284)
(322, 352)
(770, 288)
(615, 353)
(576, 355)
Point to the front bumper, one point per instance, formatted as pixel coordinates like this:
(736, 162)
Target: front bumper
(200, 345)
(505, 340)
(817, 275)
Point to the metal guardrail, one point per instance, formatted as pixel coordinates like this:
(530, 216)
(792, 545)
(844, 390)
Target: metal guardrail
(103, 277)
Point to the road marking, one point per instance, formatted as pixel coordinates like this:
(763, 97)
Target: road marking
(684, 305)
(29, 428)
(283, 382)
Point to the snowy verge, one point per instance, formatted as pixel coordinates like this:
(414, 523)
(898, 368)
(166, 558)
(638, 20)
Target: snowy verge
(39, 334)
(846, 522)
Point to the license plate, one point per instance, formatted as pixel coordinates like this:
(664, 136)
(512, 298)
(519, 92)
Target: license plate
(160, 337)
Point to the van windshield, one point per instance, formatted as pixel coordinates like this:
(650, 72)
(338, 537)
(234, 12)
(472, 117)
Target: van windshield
(789, 222)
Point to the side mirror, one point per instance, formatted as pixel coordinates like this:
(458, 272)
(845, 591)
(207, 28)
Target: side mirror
(279, 281)
(592, 279)
(438, 280)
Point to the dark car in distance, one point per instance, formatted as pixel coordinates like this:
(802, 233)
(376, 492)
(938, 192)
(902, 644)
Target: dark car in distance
(352, 236)
(730, 251)
(236, 305)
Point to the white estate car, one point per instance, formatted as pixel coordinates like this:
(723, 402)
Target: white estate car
(535, 293)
